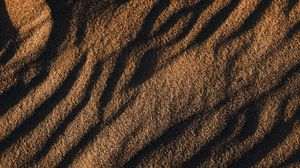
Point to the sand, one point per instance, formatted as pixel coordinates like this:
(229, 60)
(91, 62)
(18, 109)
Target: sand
(152, 83)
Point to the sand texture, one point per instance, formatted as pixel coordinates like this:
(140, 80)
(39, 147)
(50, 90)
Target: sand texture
(149, 83)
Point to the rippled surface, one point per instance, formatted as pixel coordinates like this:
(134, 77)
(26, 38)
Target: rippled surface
(155, 83)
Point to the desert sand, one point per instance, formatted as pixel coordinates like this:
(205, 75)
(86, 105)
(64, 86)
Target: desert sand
(149, 83)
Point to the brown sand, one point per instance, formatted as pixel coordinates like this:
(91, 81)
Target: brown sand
(149, 83)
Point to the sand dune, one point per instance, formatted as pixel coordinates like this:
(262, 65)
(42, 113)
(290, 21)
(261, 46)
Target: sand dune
(155, 83)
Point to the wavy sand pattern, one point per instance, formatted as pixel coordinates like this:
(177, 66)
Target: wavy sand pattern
(153, 83)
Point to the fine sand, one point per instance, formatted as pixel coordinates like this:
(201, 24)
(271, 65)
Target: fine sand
(149, 83)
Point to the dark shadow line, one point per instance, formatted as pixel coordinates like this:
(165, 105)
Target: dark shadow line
(118, 3)
(84, 141)
(249, 23)
(113, 79)
(145, 68)
(254, 17)
(171, 21)
(17, 92)
(13, 95)
(162, 139)
(44, 109)
(271, 140)
(215, 22)
(291, 4)
(230, 64)
(82, 23)
(85, 10)
(197, 159)
(115, 116)
(10, 52)
(296, 155)
(156, 10)
(119, 156)
(61, 128)
(61, 14)
(290, 73)
(91, 134)
(293, 30)
(195, 10)
(7, 33)
(251, 111)
(294, 158)
(203, 154)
